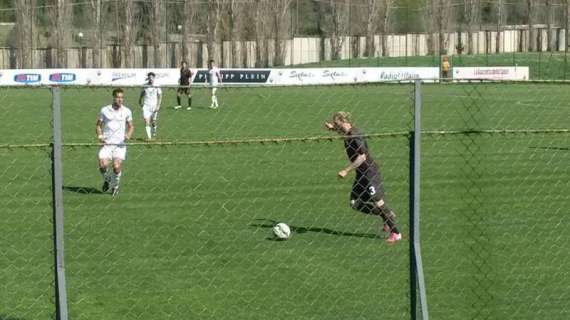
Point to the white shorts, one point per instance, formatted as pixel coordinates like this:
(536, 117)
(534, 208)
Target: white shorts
(113, 152)
(149, 113)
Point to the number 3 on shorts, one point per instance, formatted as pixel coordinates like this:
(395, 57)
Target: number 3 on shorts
(372, 190)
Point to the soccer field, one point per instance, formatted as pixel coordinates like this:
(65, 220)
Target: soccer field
(190, 234)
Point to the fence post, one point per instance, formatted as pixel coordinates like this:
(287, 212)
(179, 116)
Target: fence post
(57, 204)
(417, 280)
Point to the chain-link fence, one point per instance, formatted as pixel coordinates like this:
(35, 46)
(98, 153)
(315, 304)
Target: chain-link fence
(495, 200)
(243, 33)
(189, 234)
(26, 258)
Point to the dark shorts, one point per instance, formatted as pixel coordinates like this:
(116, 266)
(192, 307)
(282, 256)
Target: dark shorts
(183, 90)
(367, 189)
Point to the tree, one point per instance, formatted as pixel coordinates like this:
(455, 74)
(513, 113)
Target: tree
(501, 21)
(60, 38)
(443, 18)
(430, 24)
(213, 21)
(259, 15)
(157, 13)
(187, 29)
(334, 14)
(24, 30)
(281, 23)
(234, 8)
(567, 22)
(385, 13)
(532, 41)
(95, 39)
(472, 17)
(372, 12)
(125, 20)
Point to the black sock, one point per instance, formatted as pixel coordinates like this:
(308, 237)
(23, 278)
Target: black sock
(178, 99)
(388, 216)
(190, 101)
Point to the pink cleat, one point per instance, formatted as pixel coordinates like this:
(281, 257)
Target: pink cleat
(394, 237)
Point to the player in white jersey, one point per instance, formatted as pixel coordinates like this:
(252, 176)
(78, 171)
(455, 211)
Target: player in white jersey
(114, 127)
(214, 79)
(150, 100)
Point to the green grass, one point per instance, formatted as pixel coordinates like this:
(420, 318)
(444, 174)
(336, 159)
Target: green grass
(189, 235)
(542, 65)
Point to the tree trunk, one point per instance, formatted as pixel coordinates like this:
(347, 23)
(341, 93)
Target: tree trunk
(213, 21)
(281, 25)
(24, 32)
(443, 18)
(128, 32)
(387, 8)
(187, 27)
(235, 30)
(429, 12)
(259, 18)
(156, 27)
(567, 42)
(335, 24)
(532, 46)
(60, 14)
(551, 43)
(371, 18)
(95, 39)
(501, 21)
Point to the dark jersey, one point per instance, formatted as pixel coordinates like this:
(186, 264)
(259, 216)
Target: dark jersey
(355, 145)
(185, 75)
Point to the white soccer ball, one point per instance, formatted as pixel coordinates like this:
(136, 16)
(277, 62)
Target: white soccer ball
(282, 231)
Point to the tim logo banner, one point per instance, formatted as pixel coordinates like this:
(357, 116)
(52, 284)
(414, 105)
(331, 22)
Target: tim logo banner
(236, 76)
(62, 77)
(27, 78)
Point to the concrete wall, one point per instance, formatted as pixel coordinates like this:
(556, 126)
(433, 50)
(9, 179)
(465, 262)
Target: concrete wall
(299, 50)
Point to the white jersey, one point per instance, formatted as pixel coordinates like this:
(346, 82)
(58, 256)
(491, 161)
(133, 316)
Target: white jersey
(114, 123)
(213, 75)
(150, 97)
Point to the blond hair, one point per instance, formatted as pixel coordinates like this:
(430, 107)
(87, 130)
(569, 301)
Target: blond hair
(342, 116)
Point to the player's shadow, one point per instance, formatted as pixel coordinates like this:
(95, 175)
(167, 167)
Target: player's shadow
(268, 224)
(81, 190)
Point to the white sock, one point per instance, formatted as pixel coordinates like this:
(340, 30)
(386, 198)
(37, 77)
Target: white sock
(116, 179)
(215, 101)
(148, 132)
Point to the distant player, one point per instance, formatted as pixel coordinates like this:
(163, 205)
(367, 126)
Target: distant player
(150, 99)
(367, 194)
(184, 88)
(214, 79)
(114, 127)
(445, 68)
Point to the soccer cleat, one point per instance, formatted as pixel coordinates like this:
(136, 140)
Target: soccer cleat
(115, 191)
(177, 107)
(105, 186)
(189, 108)
(394, 237)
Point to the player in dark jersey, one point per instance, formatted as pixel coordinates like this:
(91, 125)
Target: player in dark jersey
(184, 82)
(367, 194)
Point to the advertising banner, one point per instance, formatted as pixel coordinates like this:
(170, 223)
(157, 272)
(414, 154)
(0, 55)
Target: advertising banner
(491, 73)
